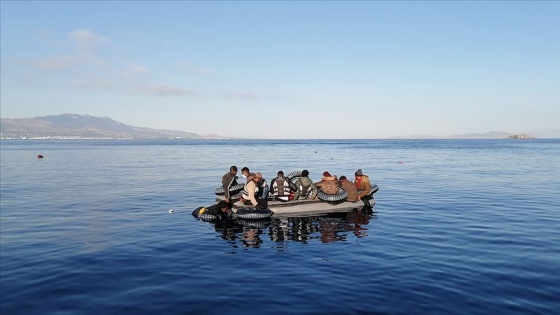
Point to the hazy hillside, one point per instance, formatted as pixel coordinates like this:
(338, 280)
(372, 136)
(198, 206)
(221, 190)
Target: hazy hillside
(73, 126)
(487, 135)
(83, 126)
(545, 133)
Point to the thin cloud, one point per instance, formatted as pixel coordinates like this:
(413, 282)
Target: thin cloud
(133, 70)
(243, 95)
(58, 63)
(166, 90)
(185, 65)
(87, 41)
(94, 84)
(88, 46)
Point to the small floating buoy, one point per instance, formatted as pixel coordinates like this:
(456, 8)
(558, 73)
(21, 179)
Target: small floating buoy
(171, 210)
(40, 156)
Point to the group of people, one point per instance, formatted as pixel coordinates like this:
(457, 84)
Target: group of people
(359, 190)
(256, 190)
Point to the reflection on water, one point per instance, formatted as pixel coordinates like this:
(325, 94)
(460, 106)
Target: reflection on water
(325, 228)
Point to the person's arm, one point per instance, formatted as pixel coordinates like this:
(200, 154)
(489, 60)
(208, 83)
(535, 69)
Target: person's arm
(313, 192)
(293, 187)
(367, 186)
(298, 191)
(272, 184)
(227, 186)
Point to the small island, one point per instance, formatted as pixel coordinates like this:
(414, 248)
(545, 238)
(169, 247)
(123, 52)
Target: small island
(521, 136)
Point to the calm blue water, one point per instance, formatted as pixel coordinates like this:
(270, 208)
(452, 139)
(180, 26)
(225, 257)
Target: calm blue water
(461, 227)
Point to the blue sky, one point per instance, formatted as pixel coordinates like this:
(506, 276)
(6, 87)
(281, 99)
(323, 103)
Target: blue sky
(287, 69)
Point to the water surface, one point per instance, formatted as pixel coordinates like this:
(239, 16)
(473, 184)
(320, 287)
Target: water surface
(460, 227)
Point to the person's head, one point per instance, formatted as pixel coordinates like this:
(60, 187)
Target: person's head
(233, 169)
(305, 173)
(342, 178)
(245, 171)
(258, 177)
(280, 174)
(223, 205)
(326, 174)
(251, 176)
(359, 173)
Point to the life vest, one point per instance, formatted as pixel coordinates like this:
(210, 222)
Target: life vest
(246, 193)
(281, 187)
(304, 189)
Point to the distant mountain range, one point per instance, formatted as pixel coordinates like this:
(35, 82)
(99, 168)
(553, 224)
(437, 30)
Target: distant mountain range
(73, 126)
(544, 133)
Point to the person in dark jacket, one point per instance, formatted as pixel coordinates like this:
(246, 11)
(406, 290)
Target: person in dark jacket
(228, 180)
(221, 210)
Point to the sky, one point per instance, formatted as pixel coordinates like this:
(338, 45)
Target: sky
(287, 69)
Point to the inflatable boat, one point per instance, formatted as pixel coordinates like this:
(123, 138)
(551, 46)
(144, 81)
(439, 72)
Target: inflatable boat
(298, 207)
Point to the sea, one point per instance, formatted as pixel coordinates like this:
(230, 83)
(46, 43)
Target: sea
(105, 227)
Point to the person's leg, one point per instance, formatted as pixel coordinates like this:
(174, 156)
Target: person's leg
(264, 193)
(366, 200)
(263, 203)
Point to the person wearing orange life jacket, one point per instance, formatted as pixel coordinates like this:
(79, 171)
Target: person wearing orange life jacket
(281, 187)
(364, 187)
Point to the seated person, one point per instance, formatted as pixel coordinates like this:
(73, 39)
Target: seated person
(305, 187)
(262, 185)
(281, 187)
(328, 184)
(350, 188)
(245, 173)
(221, 210)
(251, 195)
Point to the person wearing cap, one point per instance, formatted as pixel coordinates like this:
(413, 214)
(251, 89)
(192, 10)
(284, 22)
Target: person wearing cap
(250, 194)
(350, 189)
(305, 187)
(364, 187)
(328, 184)
(281, 187)
(228, 180)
